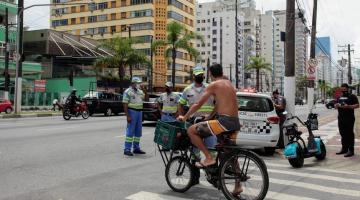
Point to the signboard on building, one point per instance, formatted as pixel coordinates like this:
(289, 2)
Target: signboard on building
(311, 69)
(39, 85)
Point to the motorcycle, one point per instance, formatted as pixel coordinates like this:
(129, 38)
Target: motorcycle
(296, 150)
(76, 111)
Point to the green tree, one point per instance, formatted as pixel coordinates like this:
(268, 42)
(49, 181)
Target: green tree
(324, 88)
(257, 64)
(123, 55)
(177, 39)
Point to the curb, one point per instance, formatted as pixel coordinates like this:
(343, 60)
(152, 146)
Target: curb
(29, 115)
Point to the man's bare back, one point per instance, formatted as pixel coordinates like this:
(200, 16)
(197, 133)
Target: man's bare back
(225, 97)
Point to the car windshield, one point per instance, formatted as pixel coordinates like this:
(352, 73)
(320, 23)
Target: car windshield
(254, 104)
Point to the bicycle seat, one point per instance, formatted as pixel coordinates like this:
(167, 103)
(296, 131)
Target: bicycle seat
(227, 138)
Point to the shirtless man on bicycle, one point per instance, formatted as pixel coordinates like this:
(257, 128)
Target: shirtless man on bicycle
(227, 114)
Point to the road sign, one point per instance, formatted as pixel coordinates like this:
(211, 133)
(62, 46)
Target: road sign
(311, 69)
(313, 62)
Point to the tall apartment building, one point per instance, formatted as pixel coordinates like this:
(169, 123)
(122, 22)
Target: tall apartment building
(323, 55)
(301, 38)
(216, 22)
(147, 19)
(267, 44)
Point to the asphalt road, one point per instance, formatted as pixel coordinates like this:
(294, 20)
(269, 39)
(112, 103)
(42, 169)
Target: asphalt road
(49, 158)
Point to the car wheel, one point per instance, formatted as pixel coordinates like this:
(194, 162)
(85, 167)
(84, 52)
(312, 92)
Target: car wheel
(269, 151)
(8, 110)
(108, 112)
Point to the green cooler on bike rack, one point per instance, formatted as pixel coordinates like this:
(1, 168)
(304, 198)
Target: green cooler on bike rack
(171, 135)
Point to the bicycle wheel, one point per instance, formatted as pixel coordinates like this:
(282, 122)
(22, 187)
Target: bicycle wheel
(245, 171)
(179, 174)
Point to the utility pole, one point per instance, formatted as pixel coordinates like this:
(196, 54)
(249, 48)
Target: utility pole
(311, 83)
(289, 86)
(151, 64)
(19, 57)
(348, 51)
(6, 72)
(236, 47)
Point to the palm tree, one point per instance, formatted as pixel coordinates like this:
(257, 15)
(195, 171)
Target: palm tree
(123, 55)
(258, 63)
(177, 39)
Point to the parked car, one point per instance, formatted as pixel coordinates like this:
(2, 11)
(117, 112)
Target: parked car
(6, 106)
(104, 102)
(330, 104)
(299, 101)
(259, 122)
(151, 110)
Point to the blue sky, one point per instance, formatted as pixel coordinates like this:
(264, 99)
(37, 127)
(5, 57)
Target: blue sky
(336, 19)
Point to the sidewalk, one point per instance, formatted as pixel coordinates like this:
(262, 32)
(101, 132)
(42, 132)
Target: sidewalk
(40, 113)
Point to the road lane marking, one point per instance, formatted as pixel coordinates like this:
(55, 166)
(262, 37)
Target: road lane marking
(310, 186)
(311, 169)
(316, 176)
(58, 128)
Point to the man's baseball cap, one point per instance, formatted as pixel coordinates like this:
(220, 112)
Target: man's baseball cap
(168, 84)
(136, 80)
(198, 70)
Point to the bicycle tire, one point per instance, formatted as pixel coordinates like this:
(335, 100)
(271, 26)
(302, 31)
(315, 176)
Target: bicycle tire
(261, 167)
(183, 162)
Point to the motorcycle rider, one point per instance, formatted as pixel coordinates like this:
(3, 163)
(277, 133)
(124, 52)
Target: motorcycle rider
(72, 101)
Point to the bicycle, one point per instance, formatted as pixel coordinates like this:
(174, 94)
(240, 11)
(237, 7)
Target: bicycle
(234, 166)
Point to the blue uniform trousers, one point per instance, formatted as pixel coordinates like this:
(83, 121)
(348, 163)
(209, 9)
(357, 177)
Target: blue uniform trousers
(133, 130)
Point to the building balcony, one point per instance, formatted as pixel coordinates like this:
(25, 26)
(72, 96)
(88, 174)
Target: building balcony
(10, 4)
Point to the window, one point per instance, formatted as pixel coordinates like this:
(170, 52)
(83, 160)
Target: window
(102, 18)
(203, 29)
(198, 29)
(214, 40)
(203, 21)
(82, 8)
(102, 30)
(214, 32)
(214, 56)
(123, 2)
(254, 104)
(198, 45)
(136, 2)
(247, 23)
(102, 6)
(176, 16)
(113, 4)
(214, 48)
(198, 21)
(92, 6)
(141, 13)
(73, 9)
(92, 19)
(123, 15)
(142, 26)
(82, 20)
(176, 3)
(123, 28)
(61, 22)
(113, 16)
(113, 29)
(73, 20)
(92, 31)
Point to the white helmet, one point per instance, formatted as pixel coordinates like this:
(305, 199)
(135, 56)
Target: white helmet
(169, 84)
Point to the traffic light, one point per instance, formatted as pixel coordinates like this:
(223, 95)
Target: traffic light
(71, 78)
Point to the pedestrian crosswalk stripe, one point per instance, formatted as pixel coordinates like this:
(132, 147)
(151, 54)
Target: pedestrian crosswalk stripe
(310, 186)
(316, 176)
(143, 195)
(269, 164)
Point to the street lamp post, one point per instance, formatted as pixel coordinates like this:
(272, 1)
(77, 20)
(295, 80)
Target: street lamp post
(19, 48)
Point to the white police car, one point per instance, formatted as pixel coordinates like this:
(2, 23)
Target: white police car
(259, 122)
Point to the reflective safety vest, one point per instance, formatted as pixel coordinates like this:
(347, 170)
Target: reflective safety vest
(192, 94)
(134, 98)
(169, 101)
